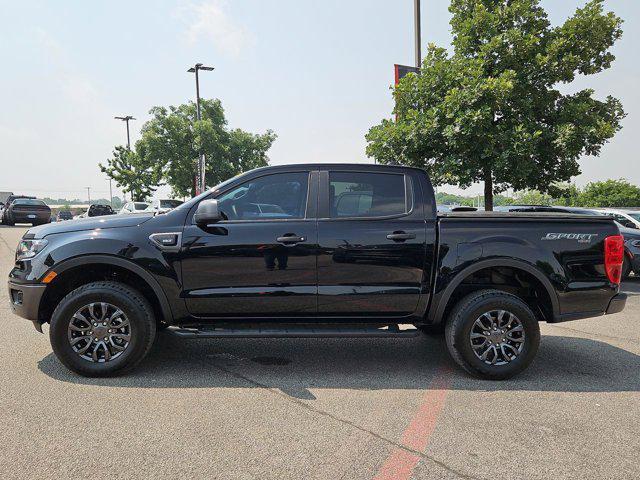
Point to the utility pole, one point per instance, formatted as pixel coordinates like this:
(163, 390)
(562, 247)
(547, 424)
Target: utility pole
(89, 194)
(126, 119)
(110, 194)
(416, 24)
(200, 178)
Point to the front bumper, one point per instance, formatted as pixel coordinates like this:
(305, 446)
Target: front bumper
(617, 303)
(25, 299)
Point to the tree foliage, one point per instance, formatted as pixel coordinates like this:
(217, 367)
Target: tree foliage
(610, 193)
(174, 139)
(491, 110)
(171, 143)
(134, 173)
(606, 193)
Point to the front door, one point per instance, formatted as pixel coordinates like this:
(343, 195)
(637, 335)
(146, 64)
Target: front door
(261, 260)
(372, 238)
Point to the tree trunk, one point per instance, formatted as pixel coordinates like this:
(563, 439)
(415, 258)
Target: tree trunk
(488, 190)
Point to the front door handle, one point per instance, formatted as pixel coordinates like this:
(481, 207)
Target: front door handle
(400, 236)
(290, 239)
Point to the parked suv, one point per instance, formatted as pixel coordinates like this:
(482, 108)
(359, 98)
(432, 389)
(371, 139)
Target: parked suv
(8, 200)
(27, 210)
(64, 215)
(279, 252)
(99, 210)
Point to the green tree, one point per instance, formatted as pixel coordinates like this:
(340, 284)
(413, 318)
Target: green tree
(133, 172)
(491, 110)
(533, 197)
(610, 193)
(173, 139)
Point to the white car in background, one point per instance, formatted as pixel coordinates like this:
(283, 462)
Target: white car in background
(163, 205)
(130, 208)
(626, 218)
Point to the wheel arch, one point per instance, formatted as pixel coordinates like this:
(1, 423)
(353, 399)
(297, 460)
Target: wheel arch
(150, 288)
(442, 304)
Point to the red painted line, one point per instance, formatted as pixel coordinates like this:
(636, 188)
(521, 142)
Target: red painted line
(400, 463)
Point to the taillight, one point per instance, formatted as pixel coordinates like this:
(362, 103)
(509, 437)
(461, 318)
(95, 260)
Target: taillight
(614, 257)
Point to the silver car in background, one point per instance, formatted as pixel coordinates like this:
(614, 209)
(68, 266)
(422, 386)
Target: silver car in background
(130, 208)
(163, 205)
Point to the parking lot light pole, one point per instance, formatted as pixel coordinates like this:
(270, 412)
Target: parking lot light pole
(416, 21)
(200, 180)
(126, 120)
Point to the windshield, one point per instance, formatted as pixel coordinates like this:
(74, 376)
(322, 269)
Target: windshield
(140, 206)
(170, 203)
(634, 215)
(26, 201)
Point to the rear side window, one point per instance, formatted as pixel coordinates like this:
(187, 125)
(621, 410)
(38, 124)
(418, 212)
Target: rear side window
(360, 194)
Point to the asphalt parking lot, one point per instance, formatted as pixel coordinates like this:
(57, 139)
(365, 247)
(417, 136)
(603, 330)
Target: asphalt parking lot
(330, 409)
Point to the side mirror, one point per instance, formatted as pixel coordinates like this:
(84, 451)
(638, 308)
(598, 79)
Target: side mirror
(207, 212)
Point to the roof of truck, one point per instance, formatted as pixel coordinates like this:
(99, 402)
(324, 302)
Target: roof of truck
(324, 166)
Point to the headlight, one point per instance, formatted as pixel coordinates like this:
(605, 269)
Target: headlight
(29, 248)
(635, 243)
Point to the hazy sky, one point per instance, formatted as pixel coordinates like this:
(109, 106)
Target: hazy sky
(316, 72)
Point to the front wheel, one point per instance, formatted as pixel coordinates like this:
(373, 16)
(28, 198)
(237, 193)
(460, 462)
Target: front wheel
(492, 334)
(102, 329)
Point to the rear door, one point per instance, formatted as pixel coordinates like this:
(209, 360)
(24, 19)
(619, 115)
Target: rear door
(372, 238)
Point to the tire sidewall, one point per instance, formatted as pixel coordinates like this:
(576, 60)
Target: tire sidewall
(58, 332)
(462, 342)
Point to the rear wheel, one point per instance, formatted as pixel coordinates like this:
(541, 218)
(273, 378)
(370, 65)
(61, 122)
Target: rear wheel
(102, 329)
(492, 334)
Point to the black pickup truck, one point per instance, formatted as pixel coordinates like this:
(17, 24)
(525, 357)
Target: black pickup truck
(319, 250)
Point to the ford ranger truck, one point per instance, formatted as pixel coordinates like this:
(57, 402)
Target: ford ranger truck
(316, 250)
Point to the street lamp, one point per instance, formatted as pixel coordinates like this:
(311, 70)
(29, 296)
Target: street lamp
(416, 24)
(126, 119)
(200, 181)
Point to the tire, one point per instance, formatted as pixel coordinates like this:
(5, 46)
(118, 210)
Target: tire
(462, 323)
(435, 330)
(140, 329)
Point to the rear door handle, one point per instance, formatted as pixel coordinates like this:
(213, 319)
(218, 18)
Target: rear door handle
(290, 239)
(401, 236)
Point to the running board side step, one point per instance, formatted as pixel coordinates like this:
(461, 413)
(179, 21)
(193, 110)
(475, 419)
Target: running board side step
(292, 331)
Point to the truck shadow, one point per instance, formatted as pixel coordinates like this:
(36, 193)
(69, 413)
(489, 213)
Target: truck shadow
(296, 367)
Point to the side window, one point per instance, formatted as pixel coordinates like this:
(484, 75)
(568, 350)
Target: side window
(277, 196)
(358, 194)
